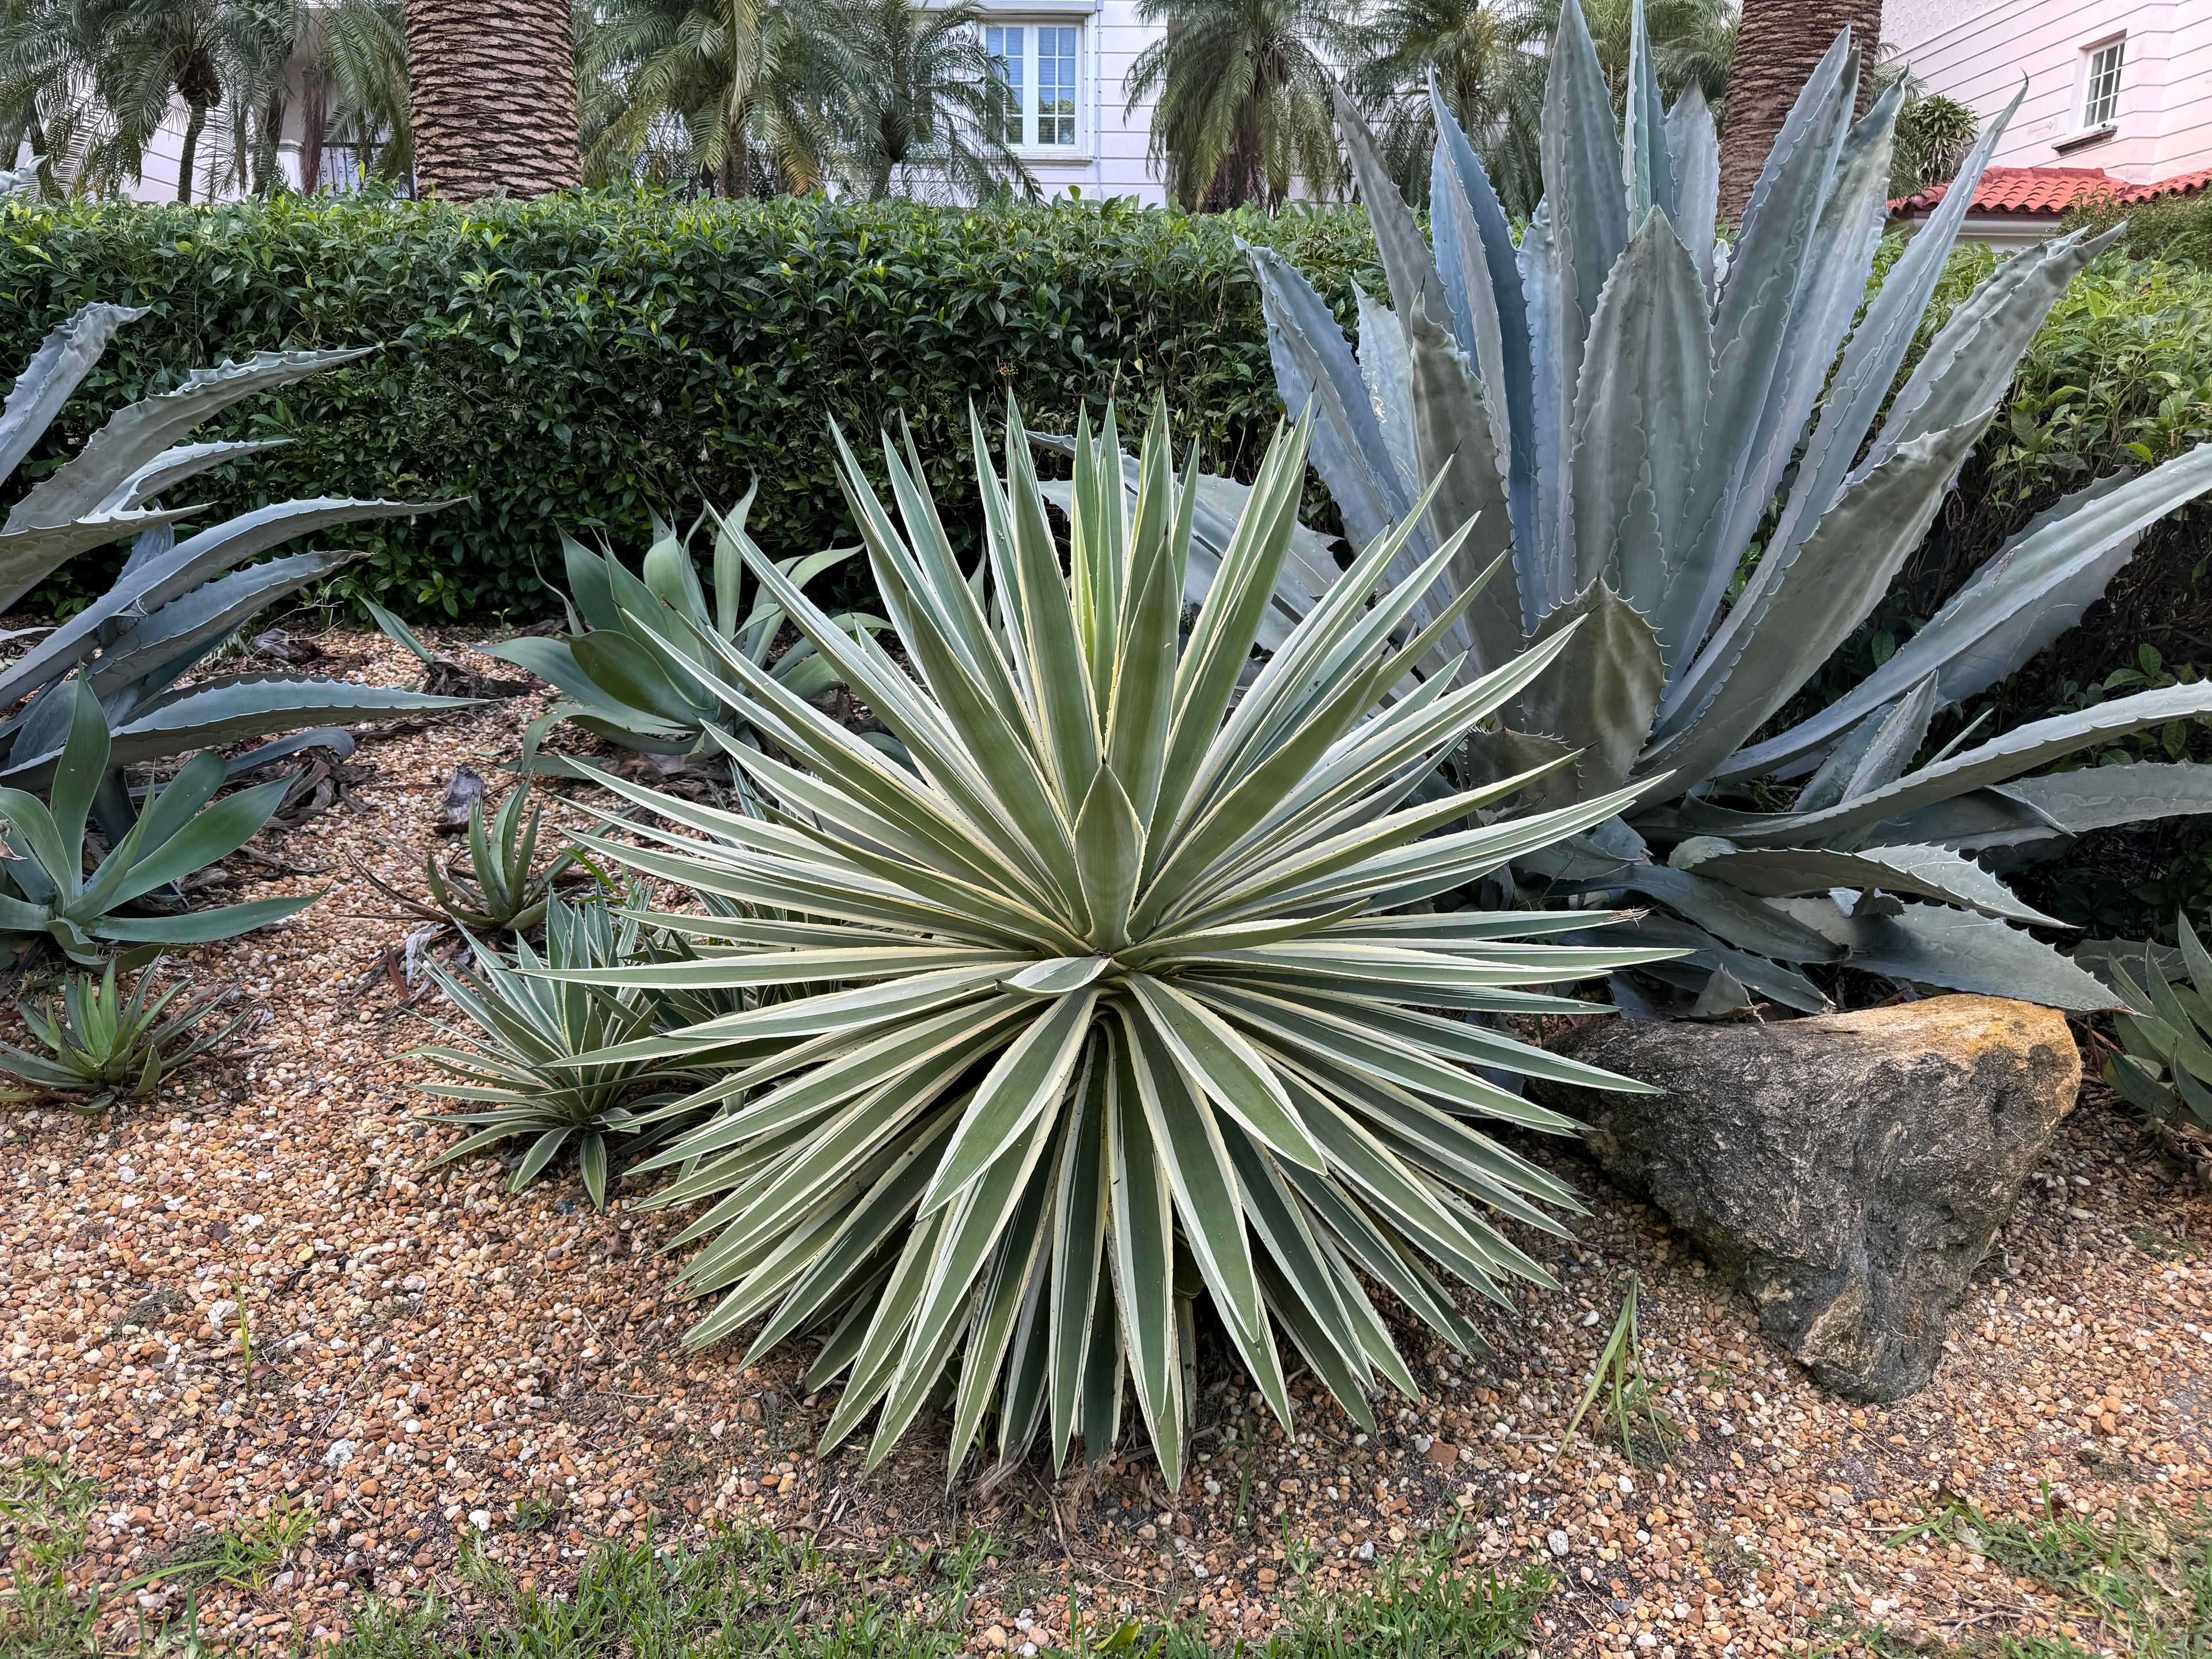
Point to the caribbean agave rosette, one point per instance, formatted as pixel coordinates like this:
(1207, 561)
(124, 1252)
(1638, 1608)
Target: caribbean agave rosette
(1131, 989)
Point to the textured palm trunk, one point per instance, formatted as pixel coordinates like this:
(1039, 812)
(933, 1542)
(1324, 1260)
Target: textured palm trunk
(188, 157)
(492, 96)
(314, 114)
(1778, 46)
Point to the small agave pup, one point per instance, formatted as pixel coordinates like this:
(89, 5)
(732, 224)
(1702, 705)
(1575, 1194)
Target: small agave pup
(1123, 990)
(1620, 408)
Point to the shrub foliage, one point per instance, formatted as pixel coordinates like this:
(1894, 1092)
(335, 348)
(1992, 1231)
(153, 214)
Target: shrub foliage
(576, 363)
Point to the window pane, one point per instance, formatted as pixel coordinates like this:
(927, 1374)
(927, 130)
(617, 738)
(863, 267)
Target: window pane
(2103, 101)
(1056, 85)
(1005, 45)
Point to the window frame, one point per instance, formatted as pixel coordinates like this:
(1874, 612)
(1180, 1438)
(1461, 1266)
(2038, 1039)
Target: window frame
(1031, 24)
(2087, 107)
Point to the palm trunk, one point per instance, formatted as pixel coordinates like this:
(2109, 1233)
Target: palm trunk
(314, 112)
(189, 157)
(492, 97)
(1778, 46)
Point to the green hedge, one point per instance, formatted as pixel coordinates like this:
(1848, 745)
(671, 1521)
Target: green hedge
(582, 362)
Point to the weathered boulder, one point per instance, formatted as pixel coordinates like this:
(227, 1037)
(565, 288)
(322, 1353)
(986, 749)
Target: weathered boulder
(1848, 1171)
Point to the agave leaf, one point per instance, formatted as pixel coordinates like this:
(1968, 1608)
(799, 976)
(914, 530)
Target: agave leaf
(1896, 738)
(1646, 162)
(1639, 415)
(1314, 364)
(214, 713)
(1597, 699)
(173, 466)
(1398, 241)
(1925, 871)
(64, 358)
(29, 557)
(1934, 944)
(201, 927)
(2036, 587)
(2020, 750)
(1476, 257)
(1452, 446)
(181, 630)
(1778, 261)
(1830, 291)
(1969, 364)
(136, 433)
(1846, 566)
(1696, 150)
(2104, 797)
(1728, 912)
(1587, 219)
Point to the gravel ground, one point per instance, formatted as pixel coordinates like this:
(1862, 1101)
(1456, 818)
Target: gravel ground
(435, 1362)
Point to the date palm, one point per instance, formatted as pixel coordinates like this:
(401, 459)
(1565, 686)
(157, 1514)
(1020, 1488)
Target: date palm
(1481, 53)
(732, 94)
(917, 93)
(1779, 45)
(355, 89)
(492, 97)
(1242, 89)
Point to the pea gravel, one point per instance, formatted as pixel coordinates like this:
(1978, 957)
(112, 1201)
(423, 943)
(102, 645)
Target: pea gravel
(253, 1295)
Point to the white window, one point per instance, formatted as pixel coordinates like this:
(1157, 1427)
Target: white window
(1041, 62)
(2100, 86)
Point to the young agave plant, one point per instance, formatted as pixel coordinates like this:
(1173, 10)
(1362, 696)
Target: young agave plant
(631, 670)
(2166, 1068)
(538, 1072)
(1617, 406)
(1124, 991)
(101, 1046)
(504, 891)
(44, 888)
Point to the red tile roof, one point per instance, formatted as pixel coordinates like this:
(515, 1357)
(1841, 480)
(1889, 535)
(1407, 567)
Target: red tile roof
(2048, 193)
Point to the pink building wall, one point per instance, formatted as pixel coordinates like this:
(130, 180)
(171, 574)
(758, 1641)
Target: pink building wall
(1977, 51)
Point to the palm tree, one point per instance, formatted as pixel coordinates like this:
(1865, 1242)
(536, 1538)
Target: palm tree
(919, 103)
(1779, 45)
(736, 95)
(1488, 72)
(354, 90)
(1489, 63)
(1242, 91)
(492, 97)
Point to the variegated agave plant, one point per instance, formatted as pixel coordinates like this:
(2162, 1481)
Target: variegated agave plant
(1627, 409)
(1123, 991)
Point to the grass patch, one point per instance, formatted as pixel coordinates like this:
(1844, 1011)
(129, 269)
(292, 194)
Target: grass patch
(750, 1593)
(2139, 1585)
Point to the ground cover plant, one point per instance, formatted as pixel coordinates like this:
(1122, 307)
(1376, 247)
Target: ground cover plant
(1618, 422)
(1094, 1011)
(753, 1593)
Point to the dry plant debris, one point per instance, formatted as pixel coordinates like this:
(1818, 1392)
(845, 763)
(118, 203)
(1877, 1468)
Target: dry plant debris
(254, 1319)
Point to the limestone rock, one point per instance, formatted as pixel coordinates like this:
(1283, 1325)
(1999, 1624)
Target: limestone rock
(1848, 1171)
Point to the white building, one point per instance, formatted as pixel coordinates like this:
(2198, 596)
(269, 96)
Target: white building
(1069, 60)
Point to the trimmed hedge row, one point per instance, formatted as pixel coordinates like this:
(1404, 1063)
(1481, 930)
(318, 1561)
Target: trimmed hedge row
(585, 363)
